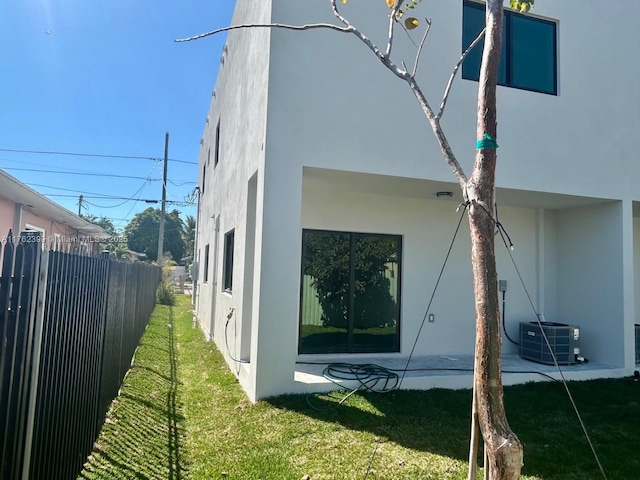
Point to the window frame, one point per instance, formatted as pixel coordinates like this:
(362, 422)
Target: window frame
(352, 347)
(204, 178)
(507, 57)
(205, 270)
(216, 152)
(227, 268)
(42, 238)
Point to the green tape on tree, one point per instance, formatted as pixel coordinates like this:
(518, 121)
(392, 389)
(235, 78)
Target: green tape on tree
(487, 141)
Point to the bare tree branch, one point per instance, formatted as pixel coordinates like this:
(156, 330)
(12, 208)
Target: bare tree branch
(392, 21)
(447, 90)
(397, 71)
(417, 91)
(445, 148)
(419, 52)
(311, 26)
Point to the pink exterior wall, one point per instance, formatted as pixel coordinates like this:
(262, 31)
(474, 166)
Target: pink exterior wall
(58, 236)
(67, 239)
(6, 219)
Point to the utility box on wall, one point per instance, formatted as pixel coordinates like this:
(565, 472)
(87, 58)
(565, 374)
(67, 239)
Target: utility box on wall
(563, 339)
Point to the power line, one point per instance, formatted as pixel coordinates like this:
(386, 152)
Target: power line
(127, 199)
(180, 183)
(101, 197)
(22, 163)
(78, 192)
(85, 174)
(131, 198)
(96, 174)
(96, 155)
(145, 200)
(139, 191)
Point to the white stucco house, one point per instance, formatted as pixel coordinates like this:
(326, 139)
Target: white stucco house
(321, 234)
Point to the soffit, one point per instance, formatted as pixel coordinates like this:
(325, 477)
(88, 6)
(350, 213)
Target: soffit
(418, 188)
(14, 191)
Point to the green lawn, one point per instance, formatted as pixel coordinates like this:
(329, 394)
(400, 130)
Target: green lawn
(182, 415)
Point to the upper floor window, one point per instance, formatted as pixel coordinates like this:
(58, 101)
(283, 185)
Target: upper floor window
(216, 154)
(205, 271)
(528, 59)
(227, 274)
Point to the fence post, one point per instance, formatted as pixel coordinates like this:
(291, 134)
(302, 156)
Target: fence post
(35, 361)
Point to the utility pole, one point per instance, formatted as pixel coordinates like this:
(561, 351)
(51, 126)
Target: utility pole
(164, 202)
(80, 198)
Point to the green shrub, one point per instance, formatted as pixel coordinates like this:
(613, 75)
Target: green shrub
(165, 294)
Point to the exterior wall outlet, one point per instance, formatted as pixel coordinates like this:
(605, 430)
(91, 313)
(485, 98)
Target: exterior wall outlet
(432, 318)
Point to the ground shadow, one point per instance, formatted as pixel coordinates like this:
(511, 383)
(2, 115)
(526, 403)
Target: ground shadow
(174, 414)
(438, 421)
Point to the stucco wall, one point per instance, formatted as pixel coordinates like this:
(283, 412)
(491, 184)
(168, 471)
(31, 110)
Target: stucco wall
(636, 280)
(332, 106)
(239, 105)
(591, 278)
(427, 228)
(6, 218)
(69, 240)
(352, 114)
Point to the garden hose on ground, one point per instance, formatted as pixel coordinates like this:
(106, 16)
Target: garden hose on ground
(370, 377)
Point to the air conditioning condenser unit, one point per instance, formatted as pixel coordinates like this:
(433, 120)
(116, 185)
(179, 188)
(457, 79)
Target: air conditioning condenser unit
(564, 342)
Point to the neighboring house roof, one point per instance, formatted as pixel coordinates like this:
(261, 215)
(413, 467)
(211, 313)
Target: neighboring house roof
(15, 191)
(135, 255)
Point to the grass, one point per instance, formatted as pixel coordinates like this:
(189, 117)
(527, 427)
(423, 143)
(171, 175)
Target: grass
(144, 430)
(189, 419)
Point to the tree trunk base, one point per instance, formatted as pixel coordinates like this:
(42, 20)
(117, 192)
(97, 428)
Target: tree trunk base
(505, 461)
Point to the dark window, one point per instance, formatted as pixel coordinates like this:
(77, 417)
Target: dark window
(227, 281)
(528, 57)
(216, 156)
(204, 177)
(206, 263)
(350, 292)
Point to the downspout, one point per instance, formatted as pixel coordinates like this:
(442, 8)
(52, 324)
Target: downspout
(17, 219)
(196, 259)
(540, 245)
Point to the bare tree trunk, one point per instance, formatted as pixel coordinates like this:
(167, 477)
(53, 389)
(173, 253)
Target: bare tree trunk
(504, 450)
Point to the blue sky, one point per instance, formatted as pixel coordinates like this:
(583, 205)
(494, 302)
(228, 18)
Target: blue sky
(105, 77)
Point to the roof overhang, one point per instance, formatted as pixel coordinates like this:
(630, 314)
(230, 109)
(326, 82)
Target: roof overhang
(14, 191)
